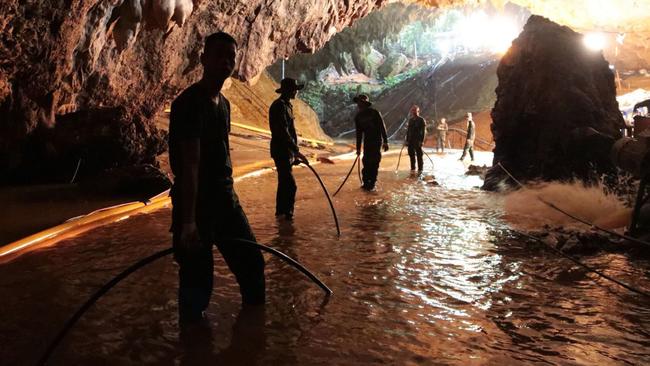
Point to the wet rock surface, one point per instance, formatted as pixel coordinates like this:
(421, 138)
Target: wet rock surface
(550, 85)
(477, 170)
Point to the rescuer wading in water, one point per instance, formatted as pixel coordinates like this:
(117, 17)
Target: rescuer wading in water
(371, 130)
(441, 135)
(284, 146)
(206, 209)
(471, 136)
(415, 135)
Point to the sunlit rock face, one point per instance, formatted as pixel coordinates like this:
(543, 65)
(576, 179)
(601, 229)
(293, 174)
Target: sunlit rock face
(549, 85)
(109, 66)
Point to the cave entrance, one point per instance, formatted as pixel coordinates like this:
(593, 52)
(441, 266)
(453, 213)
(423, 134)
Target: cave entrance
(444, 61)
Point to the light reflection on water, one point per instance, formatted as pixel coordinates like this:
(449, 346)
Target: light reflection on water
(421, 275)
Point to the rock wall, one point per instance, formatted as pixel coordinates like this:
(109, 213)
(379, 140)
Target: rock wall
(108, 66)
(550, 85)
(361, 43)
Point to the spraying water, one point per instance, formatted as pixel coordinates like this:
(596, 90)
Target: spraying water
(525, 211)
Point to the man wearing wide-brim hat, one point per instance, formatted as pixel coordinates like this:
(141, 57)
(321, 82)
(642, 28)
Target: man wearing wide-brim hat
(284, 146)
(372, 131)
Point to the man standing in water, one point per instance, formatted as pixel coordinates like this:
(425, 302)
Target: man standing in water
(469, 141)
(415, 134)
(371, 129)
(206, 209)
(284, 146)
(441, 131)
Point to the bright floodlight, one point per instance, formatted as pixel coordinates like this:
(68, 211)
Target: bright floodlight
(503, 32)
(594, 41)
(477, 31)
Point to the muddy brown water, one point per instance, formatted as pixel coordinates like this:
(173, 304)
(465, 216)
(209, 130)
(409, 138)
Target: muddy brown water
(421, 275)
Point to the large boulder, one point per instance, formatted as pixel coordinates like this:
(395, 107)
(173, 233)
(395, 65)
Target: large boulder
(550, 86)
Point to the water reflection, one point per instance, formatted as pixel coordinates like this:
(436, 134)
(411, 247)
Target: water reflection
(422, 274)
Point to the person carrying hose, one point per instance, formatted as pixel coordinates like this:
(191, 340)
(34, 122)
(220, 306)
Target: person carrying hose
(371, 129)
(415, 135)
(206, 209)
(471, 136)
(284, 147)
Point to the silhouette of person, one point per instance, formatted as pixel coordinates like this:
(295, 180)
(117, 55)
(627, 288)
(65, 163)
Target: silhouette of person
(371, 130)
(441, 137)
(471, 136)
(206, 209)
(284, 146)
(415, 135)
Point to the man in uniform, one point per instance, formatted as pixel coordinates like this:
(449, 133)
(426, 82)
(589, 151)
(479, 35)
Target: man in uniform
(206, 209)
(284, 146)
(441, 129)
(415, 135)
(471, 136)
(371, 129)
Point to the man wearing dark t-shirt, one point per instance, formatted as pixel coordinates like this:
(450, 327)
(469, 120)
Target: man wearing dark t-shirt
(415, 134)
(206, 209)
(371, 130)
(284, 146)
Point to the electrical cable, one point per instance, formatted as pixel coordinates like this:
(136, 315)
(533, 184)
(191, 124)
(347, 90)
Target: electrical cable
(347, 176)
(146, 261)
(327, 195)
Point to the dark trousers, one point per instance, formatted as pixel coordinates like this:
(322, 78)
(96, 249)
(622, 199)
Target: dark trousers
(415, 150)
(371, 160)
(286, 194)
(197, 266)
(468, 147)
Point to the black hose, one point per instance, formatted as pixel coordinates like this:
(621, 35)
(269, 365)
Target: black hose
(336, 219)
(359, 169)
(399, 158)
(146, 261)
(93, 299)
(431, 160)
(346, 177)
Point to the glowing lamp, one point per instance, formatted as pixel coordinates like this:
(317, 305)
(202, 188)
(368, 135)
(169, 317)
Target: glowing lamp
(594, 41)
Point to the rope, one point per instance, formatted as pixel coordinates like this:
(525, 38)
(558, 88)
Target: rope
(574, 217)
(347, 176)
(146, 261)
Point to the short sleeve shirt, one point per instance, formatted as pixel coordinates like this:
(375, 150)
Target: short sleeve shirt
(194, 115)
